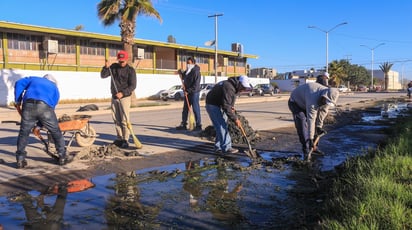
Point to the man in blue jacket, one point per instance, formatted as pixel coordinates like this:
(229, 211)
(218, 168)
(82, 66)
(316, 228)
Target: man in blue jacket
(36, 98)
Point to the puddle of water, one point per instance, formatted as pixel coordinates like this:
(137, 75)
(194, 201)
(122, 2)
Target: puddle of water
(206, 197)
(199, 195)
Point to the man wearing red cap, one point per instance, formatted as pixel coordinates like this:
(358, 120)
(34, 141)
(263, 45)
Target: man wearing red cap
(123, 84)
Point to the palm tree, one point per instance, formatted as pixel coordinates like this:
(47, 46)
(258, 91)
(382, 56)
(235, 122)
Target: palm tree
(386, 67)
(126, 11)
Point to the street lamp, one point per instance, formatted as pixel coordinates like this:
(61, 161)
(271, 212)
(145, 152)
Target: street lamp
(372, 49)
(327, 39)
(215, 43)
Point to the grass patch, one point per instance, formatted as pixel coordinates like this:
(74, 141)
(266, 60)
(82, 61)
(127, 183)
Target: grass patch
(374, 191)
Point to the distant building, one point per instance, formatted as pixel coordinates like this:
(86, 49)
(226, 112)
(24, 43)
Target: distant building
(394, 81)
(263, 73)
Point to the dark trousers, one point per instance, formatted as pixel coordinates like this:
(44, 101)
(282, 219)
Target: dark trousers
(301, 124)
(33, 112)
(194, 102)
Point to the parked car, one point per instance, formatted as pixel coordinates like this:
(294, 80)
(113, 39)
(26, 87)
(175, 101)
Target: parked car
(248, 93)
(262, 89)
(175, 92)
(343, 89)
(204, 90)
(363, 88)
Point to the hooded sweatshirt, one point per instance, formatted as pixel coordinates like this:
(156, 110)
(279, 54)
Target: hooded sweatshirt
(308, 97)
(224, 94)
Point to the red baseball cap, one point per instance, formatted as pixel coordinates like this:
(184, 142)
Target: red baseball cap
(122, 55)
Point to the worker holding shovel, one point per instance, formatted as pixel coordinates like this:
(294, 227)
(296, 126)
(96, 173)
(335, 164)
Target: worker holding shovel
(309, 104)
(123, 83)
(220, 102)
(191, 88)
(35, 100)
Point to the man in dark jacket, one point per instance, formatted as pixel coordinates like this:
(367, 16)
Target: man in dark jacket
(123, 83)
(309, 104)
(220, 102)
(36, 99)
(191, 87)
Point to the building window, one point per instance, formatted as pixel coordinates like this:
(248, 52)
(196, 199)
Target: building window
(200, 58)
(241, 62)
(114, 49)
(23, 42)
(92, 48)
(67, 46)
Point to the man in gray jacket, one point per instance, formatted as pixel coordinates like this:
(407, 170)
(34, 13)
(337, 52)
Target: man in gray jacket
(309, 104)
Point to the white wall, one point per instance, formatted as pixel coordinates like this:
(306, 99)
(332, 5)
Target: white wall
(89, 85)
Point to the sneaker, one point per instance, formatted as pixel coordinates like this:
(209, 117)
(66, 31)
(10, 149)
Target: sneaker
(198, 128)
(21, 164)
(232, 151)
(181, 127)
(65, 160)
(124, 145)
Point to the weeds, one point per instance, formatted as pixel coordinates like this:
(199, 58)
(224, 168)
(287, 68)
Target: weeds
(374, 191)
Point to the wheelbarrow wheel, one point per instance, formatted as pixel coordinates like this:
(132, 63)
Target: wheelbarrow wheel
(86, 136)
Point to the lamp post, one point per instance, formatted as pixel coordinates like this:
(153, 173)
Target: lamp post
(327, 39)
(215, 16)
(372, 50)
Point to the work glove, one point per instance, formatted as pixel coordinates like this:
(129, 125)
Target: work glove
(238, 123)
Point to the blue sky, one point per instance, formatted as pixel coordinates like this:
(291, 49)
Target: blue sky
(276, 31)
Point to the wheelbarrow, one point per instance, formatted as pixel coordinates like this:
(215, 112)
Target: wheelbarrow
(77, 126)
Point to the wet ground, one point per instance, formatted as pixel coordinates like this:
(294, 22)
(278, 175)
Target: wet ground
(279, 191)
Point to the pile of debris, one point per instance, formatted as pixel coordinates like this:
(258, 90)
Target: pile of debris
(102, 152)
(235, 133)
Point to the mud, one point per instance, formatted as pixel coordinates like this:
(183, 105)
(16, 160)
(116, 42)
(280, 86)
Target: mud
(131, 191)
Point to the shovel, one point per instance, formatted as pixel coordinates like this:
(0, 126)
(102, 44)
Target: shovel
(251, 153)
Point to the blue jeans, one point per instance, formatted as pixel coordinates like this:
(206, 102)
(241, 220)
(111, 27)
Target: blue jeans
(193, 99)
(39, 112)
(219, 120)
(301, 124)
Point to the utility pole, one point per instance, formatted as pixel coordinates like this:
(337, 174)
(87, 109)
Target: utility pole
(372, 51)
(215, 16)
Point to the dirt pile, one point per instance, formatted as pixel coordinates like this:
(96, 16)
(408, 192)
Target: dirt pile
(235, 133)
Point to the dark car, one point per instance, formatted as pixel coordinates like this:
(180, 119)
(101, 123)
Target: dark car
(262, 89)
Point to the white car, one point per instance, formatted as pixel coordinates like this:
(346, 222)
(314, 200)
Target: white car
(204, 90)
(175, 92)
(343, 89)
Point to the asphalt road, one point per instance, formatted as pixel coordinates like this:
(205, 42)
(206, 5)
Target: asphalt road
(155, 128)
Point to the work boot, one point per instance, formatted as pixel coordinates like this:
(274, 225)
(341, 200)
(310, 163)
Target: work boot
(118, 143)
(307, 155)
(64, 160)
(181, 127)
(21, 164)
(317, 151)
(124, 144)
(218, 151)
